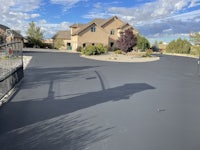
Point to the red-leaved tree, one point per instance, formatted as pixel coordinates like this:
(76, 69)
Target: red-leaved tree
(127, 40)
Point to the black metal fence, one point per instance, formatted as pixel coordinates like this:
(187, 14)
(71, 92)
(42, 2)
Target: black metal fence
(11, 66)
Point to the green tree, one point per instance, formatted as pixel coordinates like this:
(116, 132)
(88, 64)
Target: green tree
(59, 43)
(195, 39)
(142, 43)
(34, 35)
(179, 46)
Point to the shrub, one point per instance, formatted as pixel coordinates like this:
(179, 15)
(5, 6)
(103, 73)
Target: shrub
(79, 49)
(94, 50)
(142, 43)
(112, 48)
(46, 45)
(148, 53)
(109, 48)
(101, 49)
(120, 52)
(59, 43)
(88, 50)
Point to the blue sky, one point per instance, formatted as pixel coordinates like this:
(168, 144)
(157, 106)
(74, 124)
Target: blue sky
(156, 19)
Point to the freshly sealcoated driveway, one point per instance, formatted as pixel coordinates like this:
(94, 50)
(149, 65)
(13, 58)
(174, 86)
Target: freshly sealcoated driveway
(70, 103)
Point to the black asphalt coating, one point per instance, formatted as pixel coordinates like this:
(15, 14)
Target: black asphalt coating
(70, 103)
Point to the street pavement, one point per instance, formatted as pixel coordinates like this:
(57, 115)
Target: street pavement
(70, 103)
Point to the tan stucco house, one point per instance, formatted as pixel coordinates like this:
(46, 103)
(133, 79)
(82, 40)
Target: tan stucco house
(104, 31)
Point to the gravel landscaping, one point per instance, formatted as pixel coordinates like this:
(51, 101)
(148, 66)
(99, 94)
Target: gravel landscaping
(121, 58)
(7, 65)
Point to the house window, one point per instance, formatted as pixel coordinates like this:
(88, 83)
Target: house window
(93, 29)
(84, 45)
(112, 32)
(93, 44)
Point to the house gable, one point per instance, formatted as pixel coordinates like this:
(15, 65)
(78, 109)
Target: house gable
(88, 28)
(111, 27)
(112, 23)
(88, 36)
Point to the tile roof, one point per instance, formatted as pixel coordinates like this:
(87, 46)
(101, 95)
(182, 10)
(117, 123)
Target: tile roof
(98, 21)
(124, 25)
(62, 34)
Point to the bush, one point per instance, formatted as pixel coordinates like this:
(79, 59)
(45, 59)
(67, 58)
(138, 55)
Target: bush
(46, 45)
(88, 50)
(120, 52)
(79, 49)
(109, 48)
(101, 49)
(148, 53)
(59, 43)
(94, 50)
(142, 43)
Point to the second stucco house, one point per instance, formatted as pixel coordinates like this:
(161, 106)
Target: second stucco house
(104, 31)
(16, 37)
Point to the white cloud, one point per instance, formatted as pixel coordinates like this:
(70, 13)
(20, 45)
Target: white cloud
(19, 5)
(181, 4)
(194, 3)
(159, 17)
(150, 11)
(143, 14)
(67, 3)
(16, 14)
(50, 29)
(26, 5)
(188, 16)
(100, 10)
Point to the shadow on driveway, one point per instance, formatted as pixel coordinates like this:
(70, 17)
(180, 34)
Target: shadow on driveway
(18, 114)
(47, 123)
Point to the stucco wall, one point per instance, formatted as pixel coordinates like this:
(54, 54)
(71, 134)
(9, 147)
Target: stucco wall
(114, 24)
(93, 37)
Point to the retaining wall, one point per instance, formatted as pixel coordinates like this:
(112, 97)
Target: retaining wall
(9, 81)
